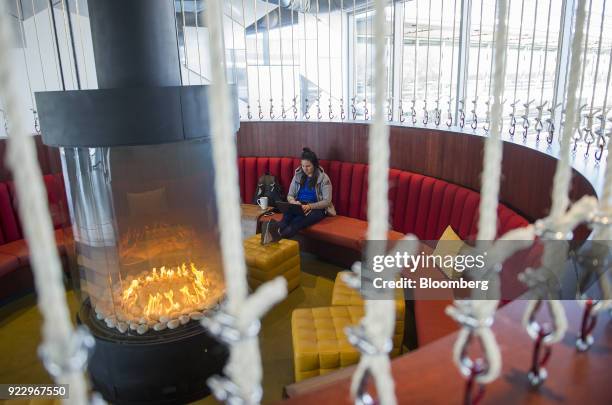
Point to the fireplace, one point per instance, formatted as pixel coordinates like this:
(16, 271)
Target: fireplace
(137, 165)
(147, 253)
(144, 223)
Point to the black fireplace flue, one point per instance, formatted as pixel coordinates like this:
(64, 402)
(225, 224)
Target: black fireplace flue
(136, 159)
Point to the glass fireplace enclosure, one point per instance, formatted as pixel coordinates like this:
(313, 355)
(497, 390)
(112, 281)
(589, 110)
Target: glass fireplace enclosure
(145, 231)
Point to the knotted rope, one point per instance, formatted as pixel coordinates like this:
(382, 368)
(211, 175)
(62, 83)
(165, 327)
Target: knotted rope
(64, 351)
(238, 322)
(557, 228)
(476, 316)
(374, 335)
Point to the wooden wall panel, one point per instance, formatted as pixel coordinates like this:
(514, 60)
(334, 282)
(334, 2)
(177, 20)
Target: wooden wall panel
(457, 158)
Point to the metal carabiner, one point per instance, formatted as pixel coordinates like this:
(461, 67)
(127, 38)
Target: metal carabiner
(472, 369)
(390, 109)
(525, 118)
(319, 114)
(295, 109)
(525, 127)
(474, 123)
(589, 320)
(544, 335)
(588, 139)
(538, 127)
(401, 112)
(413, 112)
(550, 128)
(449, 114)
(271, 110)
(425, 113)
(551, 131)
(284, 113)
(307, 109)
(260, 111)
(601, 140)
(576, 137)
(249, 114)
(36, 122)
(599, 151)
(331, 112)
(512, 128)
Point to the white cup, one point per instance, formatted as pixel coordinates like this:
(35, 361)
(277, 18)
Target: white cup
(263, 203)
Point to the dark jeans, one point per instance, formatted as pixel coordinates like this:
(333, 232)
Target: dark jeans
(291, 224)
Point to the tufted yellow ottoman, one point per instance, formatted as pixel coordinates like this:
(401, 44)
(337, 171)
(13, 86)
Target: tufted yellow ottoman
(345, 295)
(265, 263)
(319, 343)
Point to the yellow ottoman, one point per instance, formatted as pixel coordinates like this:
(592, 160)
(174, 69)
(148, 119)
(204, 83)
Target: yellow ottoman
(345, 295)
(319, 343)
(265, 263)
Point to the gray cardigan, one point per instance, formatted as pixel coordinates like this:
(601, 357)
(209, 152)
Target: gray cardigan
(323, 189)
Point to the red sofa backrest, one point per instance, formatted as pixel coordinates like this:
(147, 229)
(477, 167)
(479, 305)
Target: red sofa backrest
(10, 226)
(418, 204)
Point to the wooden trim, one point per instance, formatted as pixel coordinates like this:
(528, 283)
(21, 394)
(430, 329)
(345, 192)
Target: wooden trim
(455, 157)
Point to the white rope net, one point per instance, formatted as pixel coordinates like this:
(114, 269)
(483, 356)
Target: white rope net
(63, 350)
(238, 323)
(379, 320)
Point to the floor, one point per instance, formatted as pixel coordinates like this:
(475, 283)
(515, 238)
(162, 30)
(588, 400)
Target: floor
(20, 333)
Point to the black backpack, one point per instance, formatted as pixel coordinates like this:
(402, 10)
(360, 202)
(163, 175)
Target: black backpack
(267, 186)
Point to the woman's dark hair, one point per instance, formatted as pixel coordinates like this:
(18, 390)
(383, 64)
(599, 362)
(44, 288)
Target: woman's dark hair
(309, 155)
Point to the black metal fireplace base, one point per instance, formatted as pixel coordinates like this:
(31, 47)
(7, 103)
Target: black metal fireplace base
(167, 367)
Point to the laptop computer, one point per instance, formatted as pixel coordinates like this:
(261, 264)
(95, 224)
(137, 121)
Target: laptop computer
(288, 208)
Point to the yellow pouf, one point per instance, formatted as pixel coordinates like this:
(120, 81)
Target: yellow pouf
(344, 295)
(319, 343)
(265, 263)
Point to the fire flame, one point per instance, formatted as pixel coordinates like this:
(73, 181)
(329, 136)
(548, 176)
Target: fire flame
(166, 292)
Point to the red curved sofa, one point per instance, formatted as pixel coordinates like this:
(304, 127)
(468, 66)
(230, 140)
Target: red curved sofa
(418, 204)
(15, 272)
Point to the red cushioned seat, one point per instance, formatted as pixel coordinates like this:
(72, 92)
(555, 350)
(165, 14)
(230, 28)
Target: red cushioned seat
(339, 230)
(8, 264)
(17, 249)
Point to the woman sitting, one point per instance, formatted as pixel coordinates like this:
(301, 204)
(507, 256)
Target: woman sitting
(310, 188)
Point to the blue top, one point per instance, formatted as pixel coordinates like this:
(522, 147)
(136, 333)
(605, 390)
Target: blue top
(307, 194)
